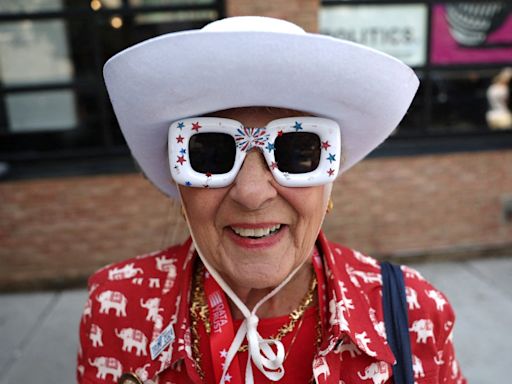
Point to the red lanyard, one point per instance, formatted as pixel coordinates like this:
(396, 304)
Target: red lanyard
(222, 328)
(222, 331)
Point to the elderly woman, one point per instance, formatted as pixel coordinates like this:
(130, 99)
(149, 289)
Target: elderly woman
(248, 122)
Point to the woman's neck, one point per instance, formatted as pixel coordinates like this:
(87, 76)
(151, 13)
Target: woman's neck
(282, 303)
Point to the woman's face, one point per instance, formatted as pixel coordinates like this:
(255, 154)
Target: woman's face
(255, 232)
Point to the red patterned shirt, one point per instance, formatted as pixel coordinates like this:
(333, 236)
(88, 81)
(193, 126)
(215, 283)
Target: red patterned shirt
(133, 302)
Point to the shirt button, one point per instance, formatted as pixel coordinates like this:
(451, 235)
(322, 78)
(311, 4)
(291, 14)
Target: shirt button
(129, 378)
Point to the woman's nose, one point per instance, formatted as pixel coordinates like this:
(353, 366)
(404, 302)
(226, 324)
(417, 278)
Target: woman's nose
(254, 185)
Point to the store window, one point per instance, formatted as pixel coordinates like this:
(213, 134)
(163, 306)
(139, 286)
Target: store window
(458, 50)
(459, 101)
(36, 52)
(53, 101)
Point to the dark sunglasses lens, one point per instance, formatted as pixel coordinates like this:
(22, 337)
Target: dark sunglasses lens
(212, 153)
(297, 152)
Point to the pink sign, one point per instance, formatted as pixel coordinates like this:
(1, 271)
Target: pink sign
(464, 33)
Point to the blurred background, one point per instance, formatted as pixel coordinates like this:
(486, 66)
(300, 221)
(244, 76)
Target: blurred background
(71, 199)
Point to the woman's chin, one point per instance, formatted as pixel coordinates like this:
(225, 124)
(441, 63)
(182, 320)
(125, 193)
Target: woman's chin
(256, 277)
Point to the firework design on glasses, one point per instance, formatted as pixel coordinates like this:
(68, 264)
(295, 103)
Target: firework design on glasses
(248, 138)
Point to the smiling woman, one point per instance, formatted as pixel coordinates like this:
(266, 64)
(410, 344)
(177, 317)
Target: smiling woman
(255, 232)
(255, 139)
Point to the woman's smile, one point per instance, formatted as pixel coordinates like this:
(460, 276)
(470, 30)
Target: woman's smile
(260, 235)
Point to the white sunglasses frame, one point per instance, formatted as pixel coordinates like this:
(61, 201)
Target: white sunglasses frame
(247, 138)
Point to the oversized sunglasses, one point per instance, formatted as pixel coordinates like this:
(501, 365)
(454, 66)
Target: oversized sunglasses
(209, 151)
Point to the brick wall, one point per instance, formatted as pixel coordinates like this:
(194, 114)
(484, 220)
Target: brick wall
(60, 230)
(301, 12)
(424, 204)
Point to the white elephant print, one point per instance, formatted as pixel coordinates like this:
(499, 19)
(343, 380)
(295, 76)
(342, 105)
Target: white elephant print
(142, 372)
(455, 369)
(350, 347)
(159, 324)
(439, 358)
(185, 344)
(87, 310)
(92, 288)
(112, 300)
(320, 367)
(165, 357)
(153, 307)
(424, 329)
(337, 310)
(165, 265)
(133, 338)
(411, 273)
(363, 341)
(412, 298)
(126, 272)
(438, 298)
(417, 367)
(107, 366)
(366, 277)
(378, 372)
(347, 303)
(379, 326)
(366, 259)
(95, 335)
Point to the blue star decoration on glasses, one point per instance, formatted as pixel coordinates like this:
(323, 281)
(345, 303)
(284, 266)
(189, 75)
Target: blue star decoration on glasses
(181, 125)
(188, 183)
(298, 126)
(331, 157)
(183, 151)
(270, 146)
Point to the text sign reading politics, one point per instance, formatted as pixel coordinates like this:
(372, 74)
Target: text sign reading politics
(399, 30)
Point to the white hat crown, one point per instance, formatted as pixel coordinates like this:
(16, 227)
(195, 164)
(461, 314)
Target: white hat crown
(253, 24)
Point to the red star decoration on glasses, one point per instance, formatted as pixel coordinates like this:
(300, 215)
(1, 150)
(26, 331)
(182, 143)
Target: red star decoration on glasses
(330, 171)
(208, 174)
(179, 139)
(325, 144)
(181, 160)
(273, 165)
(196, 126)
(280, 133)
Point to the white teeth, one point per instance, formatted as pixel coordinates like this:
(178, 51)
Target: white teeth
(256, 232)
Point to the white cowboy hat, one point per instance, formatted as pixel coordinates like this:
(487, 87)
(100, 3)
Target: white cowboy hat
(254, 61)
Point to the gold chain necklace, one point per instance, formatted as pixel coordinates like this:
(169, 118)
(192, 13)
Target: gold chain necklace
(199, 312)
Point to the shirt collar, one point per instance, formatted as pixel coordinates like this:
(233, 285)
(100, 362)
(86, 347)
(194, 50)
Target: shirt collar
(349, 309)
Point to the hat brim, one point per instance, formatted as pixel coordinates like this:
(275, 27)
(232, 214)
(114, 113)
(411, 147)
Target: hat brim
(191, 73)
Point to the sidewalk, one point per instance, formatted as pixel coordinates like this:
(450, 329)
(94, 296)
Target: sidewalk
(38, 331)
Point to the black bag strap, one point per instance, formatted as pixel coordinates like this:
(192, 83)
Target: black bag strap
(395, 308)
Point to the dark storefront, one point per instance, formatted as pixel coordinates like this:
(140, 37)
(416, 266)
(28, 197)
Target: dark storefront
(53, 105)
